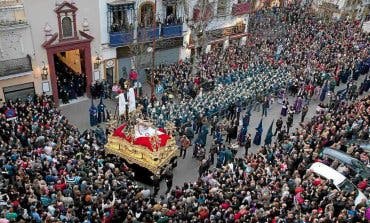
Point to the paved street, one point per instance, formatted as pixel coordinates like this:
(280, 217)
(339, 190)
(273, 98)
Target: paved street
(187, 169)
(78, 113)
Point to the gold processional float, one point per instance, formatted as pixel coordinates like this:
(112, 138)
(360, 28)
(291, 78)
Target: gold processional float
(138, 141)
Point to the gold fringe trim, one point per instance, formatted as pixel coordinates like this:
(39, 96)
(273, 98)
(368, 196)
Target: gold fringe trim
(154, 161)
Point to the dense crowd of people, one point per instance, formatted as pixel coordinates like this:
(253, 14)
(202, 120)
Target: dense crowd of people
(314, 53)
(241, 90)
(71, 85)
(50, 172)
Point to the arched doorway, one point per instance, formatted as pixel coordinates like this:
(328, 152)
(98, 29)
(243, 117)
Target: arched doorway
(83, 46)
(69, 59)
(146, 14)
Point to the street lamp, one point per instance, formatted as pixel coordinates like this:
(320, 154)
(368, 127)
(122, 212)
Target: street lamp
(98, 61)
(44, 72)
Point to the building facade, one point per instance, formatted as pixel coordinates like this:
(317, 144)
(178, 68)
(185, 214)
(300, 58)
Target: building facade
(133, 27)
(366, 16)
(226, 21)
(17, 60)
(103, 39)
(353, 9)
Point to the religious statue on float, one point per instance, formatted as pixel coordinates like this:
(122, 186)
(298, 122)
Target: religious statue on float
(126, 101)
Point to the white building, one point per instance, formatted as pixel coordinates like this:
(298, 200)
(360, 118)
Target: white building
(16, 52)
(102, 39)
(365, 15)
(228, 22)
(173, 42)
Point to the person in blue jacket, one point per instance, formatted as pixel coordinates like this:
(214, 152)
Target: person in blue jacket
(93, 111)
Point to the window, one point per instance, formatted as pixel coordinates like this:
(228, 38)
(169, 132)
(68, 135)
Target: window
(146, 15)
(67, 27)
(119, 21)
(170, 14)
(170, 10)
(222, 7)
(120, 17)
(66, 21)
(367, 18)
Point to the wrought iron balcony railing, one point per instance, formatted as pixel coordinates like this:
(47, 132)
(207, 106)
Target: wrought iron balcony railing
(147, 34)
(121, 38)
(172, 30)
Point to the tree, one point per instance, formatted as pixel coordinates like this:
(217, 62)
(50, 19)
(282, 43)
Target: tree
(197, 23)
(139, 52)
(139, 55)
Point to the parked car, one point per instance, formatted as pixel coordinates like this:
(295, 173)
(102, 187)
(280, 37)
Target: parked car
(356, 165)
(339, 180)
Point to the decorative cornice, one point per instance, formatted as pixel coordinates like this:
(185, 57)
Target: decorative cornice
(71, 7)
(47, 43)
(87, 36)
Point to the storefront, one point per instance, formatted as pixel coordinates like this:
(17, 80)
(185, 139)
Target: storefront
(19, 91)
(219, 38)
(167, 52)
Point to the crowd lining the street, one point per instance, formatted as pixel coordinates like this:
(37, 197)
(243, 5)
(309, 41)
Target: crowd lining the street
(290, 40)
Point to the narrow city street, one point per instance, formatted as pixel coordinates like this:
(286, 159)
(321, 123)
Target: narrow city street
(187, 169)
(99, 98)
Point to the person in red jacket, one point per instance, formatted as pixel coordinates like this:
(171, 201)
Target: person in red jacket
(203, 213)
(60, 186)
(133, 76)
(108, 215)
(362, 185)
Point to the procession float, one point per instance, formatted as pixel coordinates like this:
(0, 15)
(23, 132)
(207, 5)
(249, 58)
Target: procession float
(146, 148)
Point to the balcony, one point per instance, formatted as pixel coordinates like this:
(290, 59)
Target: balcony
(169, 31)
(4, 25)
(120, 38)
(147, 34)
(15, 66)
